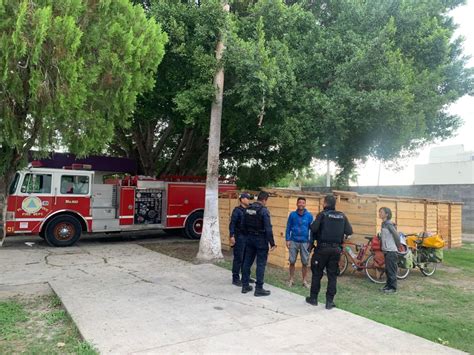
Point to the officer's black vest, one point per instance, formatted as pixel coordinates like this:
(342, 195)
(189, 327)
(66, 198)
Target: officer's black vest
(238, 225)
(253, 219)
(332, 227)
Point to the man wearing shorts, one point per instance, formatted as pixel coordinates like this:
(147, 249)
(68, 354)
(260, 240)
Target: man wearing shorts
(297, 239)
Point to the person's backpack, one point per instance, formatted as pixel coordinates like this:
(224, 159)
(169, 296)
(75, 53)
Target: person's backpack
(253, 219)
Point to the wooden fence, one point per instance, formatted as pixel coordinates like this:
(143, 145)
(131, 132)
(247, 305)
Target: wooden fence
(410, 214)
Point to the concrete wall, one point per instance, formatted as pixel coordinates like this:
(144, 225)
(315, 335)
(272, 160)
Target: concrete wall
(455, 193)
(456, 172)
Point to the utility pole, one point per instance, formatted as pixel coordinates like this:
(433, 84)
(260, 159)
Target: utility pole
(378, 177)
(328, 173)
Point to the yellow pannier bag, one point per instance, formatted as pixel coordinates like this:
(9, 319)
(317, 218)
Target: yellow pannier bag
(434, 241)
(411, 240)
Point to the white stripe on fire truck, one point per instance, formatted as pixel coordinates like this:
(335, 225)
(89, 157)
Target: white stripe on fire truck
(27, 219)
(177, 216)
(127, 216)
(35, 219)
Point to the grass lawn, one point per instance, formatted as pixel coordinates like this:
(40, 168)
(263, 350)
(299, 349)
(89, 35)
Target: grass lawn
(38, 325)
(439, 308)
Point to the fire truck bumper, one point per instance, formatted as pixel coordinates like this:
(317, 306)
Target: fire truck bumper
(8, 228)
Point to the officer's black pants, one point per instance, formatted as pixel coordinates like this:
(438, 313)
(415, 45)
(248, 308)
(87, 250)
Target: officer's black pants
(325, 257)
(391, 266)
(255, 247)
(239, 250)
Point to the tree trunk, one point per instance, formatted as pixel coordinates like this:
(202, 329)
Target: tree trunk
(210, 243)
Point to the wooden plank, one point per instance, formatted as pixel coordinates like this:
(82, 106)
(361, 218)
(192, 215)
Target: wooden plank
(279, 212)
(409, 230)
(411, 215)
(360, 229)
(368, 215)
(356, 210)
(411, 224)
(278, 202)
(360, 219)
(410, 207)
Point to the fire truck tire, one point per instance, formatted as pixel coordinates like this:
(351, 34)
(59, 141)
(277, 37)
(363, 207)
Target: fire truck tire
(63, 231)
(193, 227)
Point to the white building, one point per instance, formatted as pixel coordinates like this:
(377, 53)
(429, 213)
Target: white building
(447, 165)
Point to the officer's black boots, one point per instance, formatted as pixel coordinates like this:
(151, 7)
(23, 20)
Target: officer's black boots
(237, 283)
(246, 289)
(261, 292)
(312, 301)
(330, 305)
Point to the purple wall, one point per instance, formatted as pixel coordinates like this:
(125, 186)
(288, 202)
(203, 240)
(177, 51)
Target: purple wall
(99, 163)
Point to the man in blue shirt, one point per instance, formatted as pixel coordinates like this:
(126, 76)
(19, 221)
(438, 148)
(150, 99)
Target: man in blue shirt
(297, 239)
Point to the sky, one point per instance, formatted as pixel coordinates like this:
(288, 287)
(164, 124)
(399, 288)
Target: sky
(464, 107)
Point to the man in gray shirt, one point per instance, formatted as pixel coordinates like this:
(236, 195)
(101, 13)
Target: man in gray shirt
(390, 242)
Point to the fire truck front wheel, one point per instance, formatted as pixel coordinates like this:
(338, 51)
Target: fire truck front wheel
(63, 231)
(193, 227)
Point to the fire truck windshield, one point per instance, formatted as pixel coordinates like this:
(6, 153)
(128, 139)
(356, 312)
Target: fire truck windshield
(14, 184)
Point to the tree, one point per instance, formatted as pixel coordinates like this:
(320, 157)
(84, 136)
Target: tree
(389, 72)
(170, 126)
(210, 243)
(70, 72)
(339, 80)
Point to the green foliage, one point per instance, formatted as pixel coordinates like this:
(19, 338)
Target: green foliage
(70, 71)
(302, 178)
(389, 95)
(339, 80)
(170, 125)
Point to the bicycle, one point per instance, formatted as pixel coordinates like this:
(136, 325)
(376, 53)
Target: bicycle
(421, 257)
(367, 259)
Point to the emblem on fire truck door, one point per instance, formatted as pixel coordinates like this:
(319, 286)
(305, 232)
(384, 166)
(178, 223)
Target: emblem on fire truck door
(31, 204)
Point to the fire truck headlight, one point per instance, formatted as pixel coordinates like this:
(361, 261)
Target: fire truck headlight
(10, 216)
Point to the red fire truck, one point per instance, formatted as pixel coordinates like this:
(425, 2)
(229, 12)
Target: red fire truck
(61, 204)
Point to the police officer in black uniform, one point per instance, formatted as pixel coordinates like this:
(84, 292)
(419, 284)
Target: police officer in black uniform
(328, 229)
(237, 238)
(259, 240)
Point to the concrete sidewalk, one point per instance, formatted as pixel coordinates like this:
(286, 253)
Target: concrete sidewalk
(126, 299)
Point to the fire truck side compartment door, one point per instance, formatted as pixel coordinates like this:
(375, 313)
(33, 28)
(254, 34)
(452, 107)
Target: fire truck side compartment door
(104, 195)
(126, 205)
(105, 225)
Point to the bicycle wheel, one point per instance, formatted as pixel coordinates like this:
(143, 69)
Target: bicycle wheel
(374, 272)
(343, 262)
(402, 273)
(428, 269)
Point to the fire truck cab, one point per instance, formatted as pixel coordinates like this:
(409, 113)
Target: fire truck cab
(60, 205)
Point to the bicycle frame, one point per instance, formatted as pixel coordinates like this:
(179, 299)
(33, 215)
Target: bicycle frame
(361, 257)
(417, 263)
